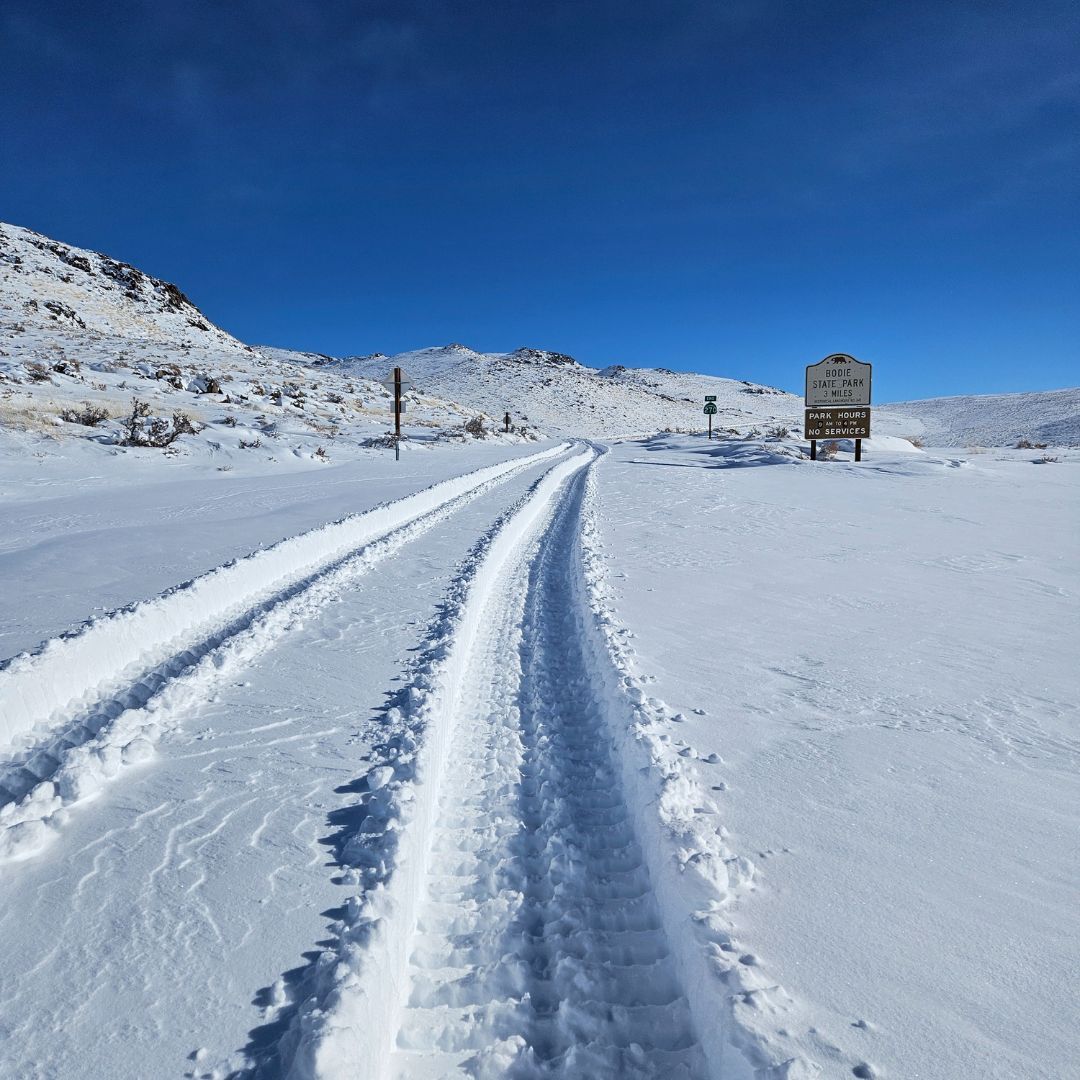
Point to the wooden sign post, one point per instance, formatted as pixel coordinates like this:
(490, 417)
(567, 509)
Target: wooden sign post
(837, 401)
(397, 382)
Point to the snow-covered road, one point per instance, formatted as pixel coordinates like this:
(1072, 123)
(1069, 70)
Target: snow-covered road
(671, 759)
(189, 887)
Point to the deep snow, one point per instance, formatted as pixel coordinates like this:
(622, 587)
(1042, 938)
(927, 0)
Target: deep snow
(883, 658)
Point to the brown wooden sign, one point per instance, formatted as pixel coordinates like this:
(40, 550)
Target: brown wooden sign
(837, 424)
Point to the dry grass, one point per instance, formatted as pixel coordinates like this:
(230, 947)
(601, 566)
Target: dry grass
(36, 418)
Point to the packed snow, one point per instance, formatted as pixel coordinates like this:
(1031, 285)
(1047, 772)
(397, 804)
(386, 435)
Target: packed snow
(596, 748)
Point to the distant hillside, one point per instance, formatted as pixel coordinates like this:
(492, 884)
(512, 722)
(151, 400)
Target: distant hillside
(554, 392)
(1050, 416)
(57, 301)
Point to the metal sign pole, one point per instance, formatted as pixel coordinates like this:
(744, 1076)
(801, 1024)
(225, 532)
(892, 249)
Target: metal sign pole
(710, 425)
(858, 449)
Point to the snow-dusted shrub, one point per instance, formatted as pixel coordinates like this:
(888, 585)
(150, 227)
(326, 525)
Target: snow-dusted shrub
(183, 424)
(778, 432)
(67, 365)
(382, 442)
(1046, 459)
(142, 429)
(88, 415)
(914, 440)
(475, 427)
(1027, 444)
(321, 454)
(829, 450)
(250, 444)
(37, 372)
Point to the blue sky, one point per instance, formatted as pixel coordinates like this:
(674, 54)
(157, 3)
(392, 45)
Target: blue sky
(735, 188)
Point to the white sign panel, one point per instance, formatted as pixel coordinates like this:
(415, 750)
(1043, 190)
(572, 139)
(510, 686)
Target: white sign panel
(388, 382)
(837, 381)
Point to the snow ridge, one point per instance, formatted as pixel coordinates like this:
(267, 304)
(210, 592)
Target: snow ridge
(695, 873)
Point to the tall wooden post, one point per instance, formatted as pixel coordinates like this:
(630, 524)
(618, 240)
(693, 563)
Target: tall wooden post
(813, 449)
(858, 449)
(397, 402)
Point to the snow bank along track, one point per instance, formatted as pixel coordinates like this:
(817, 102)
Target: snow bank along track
(512, 917)
(72, 713)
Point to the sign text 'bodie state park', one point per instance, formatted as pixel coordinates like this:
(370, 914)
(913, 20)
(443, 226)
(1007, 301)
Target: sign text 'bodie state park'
(838, 380)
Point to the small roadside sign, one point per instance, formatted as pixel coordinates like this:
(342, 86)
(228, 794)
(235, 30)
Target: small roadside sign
(710, 411)
(710, 397)
(389, 383)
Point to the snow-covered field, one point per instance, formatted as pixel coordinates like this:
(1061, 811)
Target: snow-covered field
(884, 656)
(542, 754)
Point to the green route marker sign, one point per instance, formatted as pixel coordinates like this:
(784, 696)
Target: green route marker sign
(710, 408)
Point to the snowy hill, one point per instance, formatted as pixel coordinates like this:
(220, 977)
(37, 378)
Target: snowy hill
(562, 397)
(81, 331)
(1051, 416)
(100, 361)
(78, 326)
(48, 285)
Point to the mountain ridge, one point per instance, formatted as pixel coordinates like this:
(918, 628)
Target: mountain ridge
(62, 296)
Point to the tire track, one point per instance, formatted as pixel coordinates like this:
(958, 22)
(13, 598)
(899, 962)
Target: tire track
(92, 745)
(505, 922)
(539, 950)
